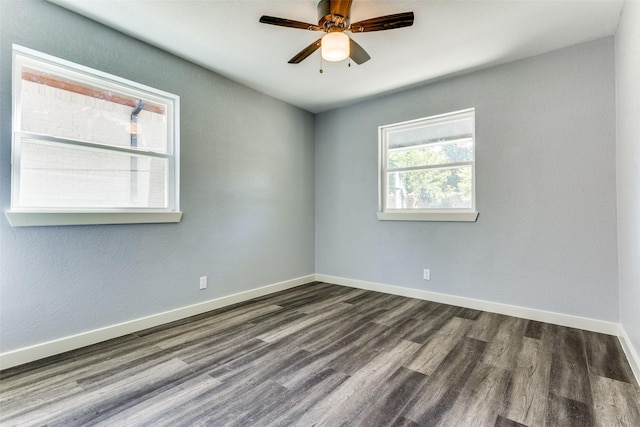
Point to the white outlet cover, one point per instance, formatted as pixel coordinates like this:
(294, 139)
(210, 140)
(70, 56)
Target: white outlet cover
(427, 274)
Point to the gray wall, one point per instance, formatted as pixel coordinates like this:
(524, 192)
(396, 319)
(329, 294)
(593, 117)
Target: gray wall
(628, 168)
(546, 234)
(247, 164)
(545, 238)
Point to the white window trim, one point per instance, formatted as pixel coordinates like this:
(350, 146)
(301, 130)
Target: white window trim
(25, 217)
(453, 215)
(32, 219)
(428, 216)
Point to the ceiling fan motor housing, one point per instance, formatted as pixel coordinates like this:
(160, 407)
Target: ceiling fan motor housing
(333, 15)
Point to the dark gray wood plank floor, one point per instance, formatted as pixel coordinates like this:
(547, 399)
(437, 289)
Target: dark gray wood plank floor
(328, 355)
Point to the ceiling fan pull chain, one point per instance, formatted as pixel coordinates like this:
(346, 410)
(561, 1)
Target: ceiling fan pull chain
(321, 70)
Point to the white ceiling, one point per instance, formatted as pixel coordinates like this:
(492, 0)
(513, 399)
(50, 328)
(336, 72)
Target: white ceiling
(448, 37)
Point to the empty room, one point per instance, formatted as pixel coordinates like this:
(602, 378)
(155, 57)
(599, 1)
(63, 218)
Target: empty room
(334, 212)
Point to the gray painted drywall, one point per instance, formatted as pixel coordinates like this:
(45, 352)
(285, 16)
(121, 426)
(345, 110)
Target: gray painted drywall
(545, 239)
(628, 168)
(546, 234)
(247, 181)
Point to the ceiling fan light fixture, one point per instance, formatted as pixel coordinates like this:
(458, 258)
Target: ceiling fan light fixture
(334, 19)
(335, 46)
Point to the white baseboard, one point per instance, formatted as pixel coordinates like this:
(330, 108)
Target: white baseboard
(630, 351)
(585, 323)
(40, 351)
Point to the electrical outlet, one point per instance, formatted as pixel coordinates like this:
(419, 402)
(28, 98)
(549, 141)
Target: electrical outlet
(203, 282)
(426, 274)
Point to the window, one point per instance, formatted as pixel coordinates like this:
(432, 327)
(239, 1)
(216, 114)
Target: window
(427, 169)
(90, 147)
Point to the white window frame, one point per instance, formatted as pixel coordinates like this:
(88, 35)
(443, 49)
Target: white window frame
(436, 214)
(28, 216)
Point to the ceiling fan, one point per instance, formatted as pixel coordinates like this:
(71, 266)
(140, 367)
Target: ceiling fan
(333, 19)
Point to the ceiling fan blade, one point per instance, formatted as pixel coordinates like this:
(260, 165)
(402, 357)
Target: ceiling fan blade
(387, 22)
(357, 53)
(282, 22)
(302, 55)
(341, 7)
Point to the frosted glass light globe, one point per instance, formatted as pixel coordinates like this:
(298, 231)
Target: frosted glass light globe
(335, 46)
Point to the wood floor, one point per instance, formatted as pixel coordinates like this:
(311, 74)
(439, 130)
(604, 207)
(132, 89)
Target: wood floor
(328, 355)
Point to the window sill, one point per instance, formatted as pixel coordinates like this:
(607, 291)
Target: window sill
(428, 216)
(33, 219)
